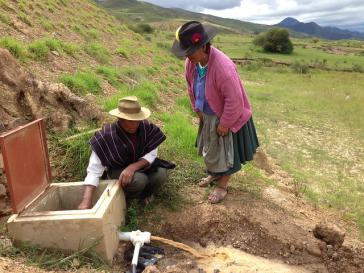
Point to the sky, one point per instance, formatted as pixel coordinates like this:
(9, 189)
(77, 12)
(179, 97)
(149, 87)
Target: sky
(346, 14)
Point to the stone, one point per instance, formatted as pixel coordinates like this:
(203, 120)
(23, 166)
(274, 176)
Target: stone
(2, 190)
(151, 269)
(329, 233)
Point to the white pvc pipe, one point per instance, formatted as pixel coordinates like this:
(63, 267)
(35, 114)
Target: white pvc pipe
(125, 236)
(138, 239)
(137, 247)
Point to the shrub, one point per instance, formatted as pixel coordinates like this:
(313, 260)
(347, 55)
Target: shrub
(142, 28)
(358, 68)
(300, 68)
(82, 83)
(276, 40)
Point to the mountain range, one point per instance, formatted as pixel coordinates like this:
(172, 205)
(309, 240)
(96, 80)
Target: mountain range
(312, 28)
(133, 11)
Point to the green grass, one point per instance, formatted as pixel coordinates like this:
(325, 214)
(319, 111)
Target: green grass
(181, 134)
(46, 24)
(73, 154)
(4, 18)
(99, 52)
(25, 18)
(40, 49)
(122, 51)
(51, 259)
(237, 46)
(82, 83)
(16, 48)
(145, 91)
(311, 123)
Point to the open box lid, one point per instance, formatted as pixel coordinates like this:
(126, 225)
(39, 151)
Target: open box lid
(26, 163)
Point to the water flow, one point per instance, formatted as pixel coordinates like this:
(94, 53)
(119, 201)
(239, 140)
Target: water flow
(184, 247)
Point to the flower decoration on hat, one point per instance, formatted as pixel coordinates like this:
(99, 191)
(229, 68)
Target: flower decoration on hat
(196, 38)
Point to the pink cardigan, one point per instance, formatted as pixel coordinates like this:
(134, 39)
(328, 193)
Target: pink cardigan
(224, 90)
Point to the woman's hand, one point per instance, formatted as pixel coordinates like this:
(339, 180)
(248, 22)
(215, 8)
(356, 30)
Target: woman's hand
(221, 130)
(126, 175)
(200, 116)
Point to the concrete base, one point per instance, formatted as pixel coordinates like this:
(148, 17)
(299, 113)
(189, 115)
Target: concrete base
(53, 221)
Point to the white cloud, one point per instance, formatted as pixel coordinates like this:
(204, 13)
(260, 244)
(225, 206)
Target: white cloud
(345, 13)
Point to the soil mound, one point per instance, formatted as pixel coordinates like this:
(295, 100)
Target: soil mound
(24, 98)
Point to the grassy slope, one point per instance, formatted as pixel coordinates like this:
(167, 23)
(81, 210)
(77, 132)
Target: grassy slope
(77, 43)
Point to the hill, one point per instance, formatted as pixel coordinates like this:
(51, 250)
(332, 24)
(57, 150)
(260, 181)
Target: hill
(136, 11)
(312, 28)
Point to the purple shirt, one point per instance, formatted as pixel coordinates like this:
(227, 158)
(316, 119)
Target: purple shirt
(224, 90)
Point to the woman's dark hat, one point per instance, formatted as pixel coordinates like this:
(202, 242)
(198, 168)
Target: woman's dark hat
(190, 37)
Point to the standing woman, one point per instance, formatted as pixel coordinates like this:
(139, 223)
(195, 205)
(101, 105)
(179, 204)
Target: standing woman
(227, 136)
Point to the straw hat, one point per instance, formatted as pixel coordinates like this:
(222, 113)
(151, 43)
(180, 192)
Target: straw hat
(191, 36)
(130, 109)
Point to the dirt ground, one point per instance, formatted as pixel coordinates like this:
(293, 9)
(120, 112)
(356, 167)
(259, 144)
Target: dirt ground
(271, 233)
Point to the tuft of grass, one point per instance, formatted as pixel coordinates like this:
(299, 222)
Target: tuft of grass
(93, 33)
(99, 52)
(16, 48)
(73, 154)
(300, 67)
(146, 92)
(25, 18)
(70, 49)
(52, 259)
(40, 49)
(123, 52)
(112, 75)
(82, 83)
(4, 18)
(181, 134)
(47, 25)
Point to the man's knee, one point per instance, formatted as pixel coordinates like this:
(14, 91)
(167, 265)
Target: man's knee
(138, 184)
(159, 177)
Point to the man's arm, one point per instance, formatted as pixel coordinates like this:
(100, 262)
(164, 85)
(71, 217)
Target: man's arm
(94, 172)
(127, 174)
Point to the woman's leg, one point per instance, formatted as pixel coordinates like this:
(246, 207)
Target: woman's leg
(220, 190)
(205, 181)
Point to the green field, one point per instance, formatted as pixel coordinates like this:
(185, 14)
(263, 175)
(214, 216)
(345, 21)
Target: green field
(312, 124)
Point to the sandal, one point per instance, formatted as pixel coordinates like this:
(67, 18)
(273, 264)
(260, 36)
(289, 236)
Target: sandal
(217, 195)
(149, 199)
(204, 182)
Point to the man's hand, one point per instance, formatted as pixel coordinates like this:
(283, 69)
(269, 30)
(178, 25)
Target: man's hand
(127, 175)
(221, 130)
(86, 202)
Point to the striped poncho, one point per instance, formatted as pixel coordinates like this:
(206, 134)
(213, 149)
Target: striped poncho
(117, 149)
